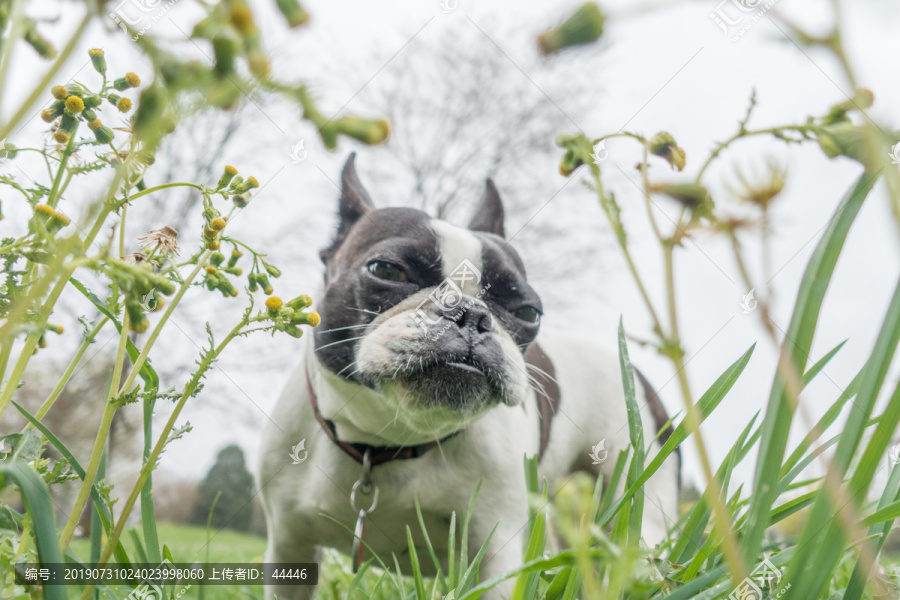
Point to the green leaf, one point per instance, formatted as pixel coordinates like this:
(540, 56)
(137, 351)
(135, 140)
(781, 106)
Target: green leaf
(38, 505)
(99, 504)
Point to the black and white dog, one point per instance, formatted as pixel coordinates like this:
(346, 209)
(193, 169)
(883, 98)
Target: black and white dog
(428, 367)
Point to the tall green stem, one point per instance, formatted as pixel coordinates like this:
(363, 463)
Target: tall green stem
(152, 459)
(70, 370)
(99, 443)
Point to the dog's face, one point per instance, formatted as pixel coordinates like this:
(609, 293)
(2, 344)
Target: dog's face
(433, 317)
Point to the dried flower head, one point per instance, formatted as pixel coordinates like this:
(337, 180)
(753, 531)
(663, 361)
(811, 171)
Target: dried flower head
(761, 189)
(164, 239)
(139, 258)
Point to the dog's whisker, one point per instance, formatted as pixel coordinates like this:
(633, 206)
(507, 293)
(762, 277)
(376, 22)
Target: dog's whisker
(353, 339)
(347, 367)
(362, 326)
(365, 310)
(543, 372)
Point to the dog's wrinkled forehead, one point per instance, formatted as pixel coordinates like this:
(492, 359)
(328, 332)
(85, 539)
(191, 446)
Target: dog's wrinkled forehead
(411, 236)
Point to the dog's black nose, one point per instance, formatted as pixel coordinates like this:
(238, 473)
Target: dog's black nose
(475, 317)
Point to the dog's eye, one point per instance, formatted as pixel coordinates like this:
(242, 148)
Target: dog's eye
(527, 313)
(388, 271)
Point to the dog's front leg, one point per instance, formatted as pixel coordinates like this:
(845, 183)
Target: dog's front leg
(286, 551)
(504, 553)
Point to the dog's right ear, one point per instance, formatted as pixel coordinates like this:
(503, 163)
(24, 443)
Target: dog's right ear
(355, 202)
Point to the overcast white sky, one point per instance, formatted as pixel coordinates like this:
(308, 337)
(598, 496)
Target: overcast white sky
(670, 68)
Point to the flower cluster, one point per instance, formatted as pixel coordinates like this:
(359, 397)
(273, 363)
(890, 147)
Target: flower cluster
(75, 103)
(141, 286)
(286, 316)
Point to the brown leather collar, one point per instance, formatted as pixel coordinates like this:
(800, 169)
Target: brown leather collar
(377, 454)
(542, 373)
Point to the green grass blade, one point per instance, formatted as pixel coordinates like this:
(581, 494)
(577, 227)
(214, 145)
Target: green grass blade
(798, 340)
(891, 495)
(809, 568)
(429, 546)
(37, 503)
(705, 406)
(99, 504)
(698, 518)
(451, 552)
(469, 576)
(824, 423)
(416, 569)
(636, 436)
(464, 538)
(148, 513)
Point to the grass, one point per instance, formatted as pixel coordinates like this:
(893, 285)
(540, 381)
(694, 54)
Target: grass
(188, 544)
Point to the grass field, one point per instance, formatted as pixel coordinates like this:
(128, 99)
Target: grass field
(189, 544)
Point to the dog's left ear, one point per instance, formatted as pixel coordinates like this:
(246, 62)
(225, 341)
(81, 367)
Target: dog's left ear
(489, 214)
(355, 202)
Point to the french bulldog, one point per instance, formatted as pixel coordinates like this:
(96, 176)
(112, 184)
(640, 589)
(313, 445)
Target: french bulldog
(428, 372)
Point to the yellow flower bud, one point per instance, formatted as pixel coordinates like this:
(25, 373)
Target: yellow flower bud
(74, 105)
(98, 60)
(43, 209)
(226, 177)
(273, 303)
(124, 105)
(61, 137)
(47, 115)
(95, 125)
(217, 224)
(300, 302)
(59, 92)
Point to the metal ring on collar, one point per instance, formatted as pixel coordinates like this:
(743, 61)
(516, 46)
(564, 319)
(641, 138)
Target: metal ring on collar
(360, 486)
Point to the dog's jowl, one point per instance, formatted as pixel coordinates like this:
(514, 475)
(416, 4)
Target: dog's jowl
(426, 375)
